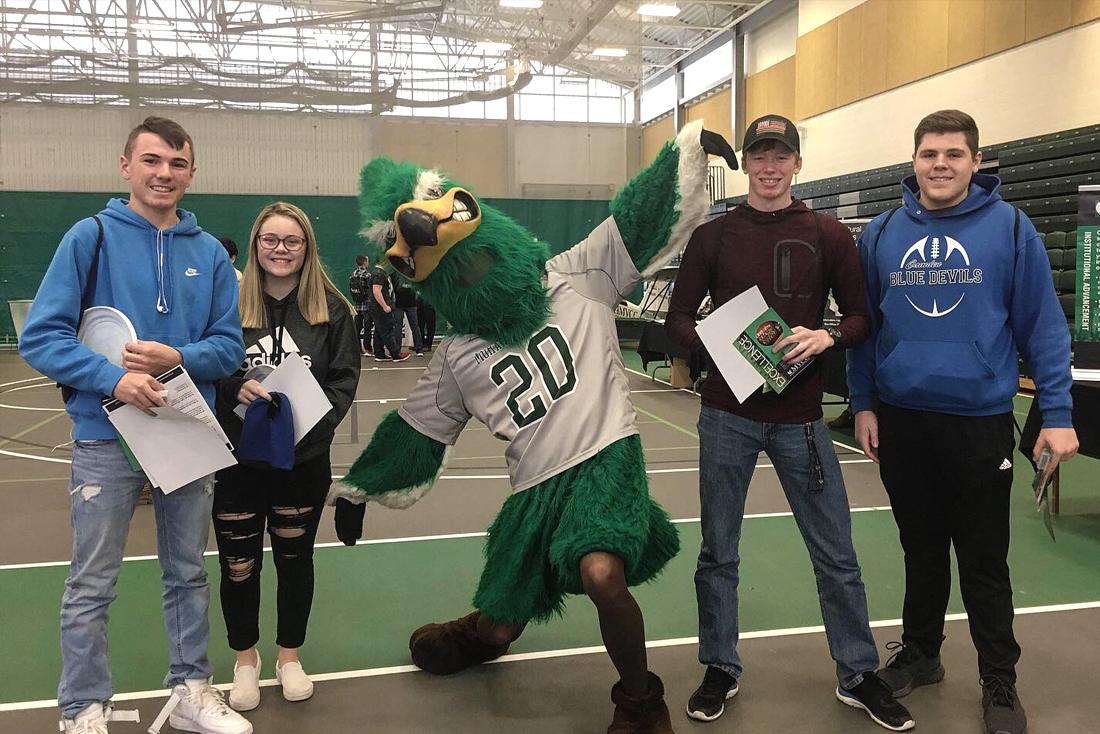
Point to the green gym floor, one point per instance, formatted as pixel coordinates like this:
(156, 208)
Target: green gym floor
(421, 565)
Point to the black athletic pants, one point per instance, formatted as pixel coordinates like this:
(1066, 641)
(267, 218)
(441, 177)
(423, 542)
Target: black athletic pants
(949, 478)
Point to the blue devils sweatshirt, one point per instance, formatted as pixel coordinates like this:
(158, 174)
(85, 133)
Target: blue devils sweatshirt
(953, 299)
(176, 286)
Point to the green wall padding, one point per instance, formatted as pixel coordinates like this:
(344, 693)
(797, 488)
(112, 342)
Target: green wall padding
(32, 223)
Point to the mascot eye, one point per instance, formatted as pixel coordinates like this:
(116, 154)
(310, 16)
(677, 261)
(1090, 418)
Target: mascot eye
(434, 192)
(391, 238)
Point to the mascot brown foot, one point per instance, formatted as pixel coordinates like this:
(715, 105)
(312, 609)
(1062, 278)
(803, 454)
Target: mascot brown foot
(442, 649)
(644, 715)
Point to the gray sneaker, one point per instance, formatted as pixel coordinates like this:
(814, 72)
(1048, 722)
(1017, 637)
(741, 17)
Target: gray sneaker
(909, 668)
(1002, 711)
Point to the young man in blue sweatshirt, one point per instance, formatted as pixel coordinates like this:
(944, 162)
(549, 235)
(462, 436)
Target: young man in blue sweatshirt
(177, 287)
(958, 283)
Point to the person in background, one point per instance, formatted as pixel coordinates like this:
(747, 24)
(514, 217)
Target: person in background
(425, 316)
(359, 287)
(288, 306)
(959, 285)
(231, 249)
(381, 305)
(405, 309)
(173, 280)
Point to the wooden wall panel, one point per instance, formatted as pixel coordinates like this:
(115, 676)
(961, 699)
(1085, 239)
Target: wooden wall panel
(849, 56)
(1085, 10)
(816, 71)
(771, 91)
(716, 112)
(1044, 17)
(875, 47)
(1004, 25)
(918, 45)
(654, 136)
(965, 19)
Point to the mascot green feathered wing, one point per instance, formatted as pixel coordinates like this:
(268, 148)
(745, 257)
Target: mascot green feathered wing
(534, 356)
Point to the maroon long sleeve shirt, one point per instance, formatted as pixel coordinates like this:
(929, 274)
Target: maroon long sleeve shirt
(795, 257)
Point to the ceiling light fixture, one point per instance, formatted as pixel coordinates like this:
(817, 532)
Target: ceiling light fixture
(660, 10)
(493, 47)
(152, 25)
(528, 4)
(616, 53)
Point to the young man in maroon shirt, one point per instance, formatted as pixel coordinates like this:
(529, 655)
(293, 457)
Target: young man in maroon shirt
(795, 257)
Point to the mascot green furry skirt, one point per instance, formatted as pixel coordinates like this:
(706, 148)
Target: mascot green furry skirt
(535, 545)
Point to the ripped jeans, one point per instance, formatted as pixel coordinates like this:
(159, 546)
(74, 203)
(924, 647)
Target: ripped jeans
(289, 503)
(103, 492)
(809, 472)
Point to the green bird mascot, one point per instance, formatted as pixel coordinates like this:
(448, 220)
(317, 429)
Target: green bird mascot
(534, 356)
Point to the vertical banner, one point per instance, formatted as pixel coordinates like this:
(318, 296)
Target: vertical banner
(1088, 280)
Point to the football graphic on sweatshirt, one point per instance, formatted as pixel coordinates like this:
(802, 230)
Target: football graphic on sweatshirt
(935, 272)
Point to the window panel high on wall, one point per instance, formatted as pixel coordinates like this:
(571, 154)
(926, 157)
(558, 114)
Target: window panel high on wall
(706, 72)
(658, 99)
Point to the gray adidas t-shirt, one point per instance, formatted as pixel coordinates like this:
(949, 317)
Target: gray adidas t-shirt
(561, 398)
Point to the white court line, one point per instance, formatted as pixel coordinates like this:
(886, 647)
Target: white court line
(856, 449)
(417, 539)
(549, 654)
(20, 382)
(18, 455)
(28, 407)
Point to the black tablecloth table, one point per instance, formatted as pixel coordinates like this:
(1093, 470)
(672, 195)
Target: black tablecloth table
(1086, 420)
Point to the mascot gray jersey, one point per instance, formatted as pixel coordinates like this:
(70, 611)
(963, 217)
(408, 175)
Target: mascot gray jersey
(567, 382)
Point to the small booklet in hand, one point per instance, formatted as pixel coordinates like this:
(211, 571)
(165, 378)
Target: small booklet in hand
(755, 344)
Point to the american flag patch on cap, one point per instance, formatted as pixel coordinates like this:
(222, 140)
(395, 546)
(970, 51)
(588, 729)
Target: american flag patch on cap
(771, 126)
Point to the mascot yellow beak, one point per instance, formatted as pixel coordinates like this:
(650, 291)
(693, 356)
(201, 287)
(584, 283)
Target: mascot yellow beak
(427, 230)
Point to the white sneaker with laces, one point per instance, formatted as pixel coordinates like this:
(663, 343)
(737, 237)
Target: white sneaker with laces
(245, 693)
(202, 709)
(296, 684)
(92, 720)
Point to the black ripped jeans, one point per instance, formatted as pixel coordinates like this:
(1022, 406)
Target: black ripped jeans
(289, 504)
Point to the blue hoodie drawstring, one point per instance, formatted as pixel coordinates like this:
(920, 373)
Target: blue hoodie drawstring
(162, 297)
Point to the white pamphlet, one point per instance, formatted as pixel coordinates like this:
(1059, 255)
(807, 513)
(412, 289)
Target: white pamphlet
(308, 402)
(181, 442)
(718, 332)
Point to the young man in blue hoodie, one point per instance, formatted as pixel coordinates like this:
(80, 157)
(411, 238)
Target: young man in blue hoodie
(176, 285)
(958, 283)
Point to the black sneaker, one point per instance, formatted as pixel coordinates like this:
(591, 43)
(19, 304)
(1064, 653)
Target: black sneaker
(843, 421)
(874, 696)
(1002, 711)
(909, 668)
(709, 700)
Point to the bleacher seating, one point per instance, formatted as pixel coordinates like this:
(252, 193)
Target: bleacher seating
(1062, 252)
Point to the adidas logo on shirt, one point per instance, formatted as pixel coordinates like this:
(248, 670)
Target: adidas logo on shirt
(1005, 465)
(262, 351)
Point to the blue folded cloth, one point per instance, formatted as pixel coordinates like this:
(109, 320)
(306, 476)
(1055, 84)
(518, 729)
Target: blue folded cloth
(267, 436)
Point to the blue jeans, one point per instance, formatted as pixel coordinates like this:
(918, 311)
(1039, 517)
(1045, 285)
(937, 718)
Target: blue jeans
(103, 492)
(728, 448)
(409, 313)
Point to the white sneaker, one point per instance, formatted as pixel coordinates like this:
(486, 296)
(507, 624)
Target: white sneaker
(202, 709)
(92, 720)
(296, 684)
(245, 694)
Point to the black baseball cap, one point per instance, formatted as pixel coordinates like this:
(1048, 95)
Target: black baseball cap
(771, 127)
